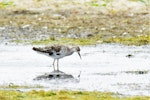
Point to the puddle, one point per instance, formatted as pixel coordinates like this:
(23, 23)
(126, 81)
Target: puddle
(100, 71)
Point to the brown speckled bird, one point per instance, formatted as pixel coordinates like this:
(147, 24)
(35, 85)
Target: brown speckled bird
(57, 52)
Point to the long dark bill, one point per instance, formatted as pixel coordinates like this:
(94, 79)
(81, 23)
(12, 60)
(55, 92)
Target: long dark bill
(79, 55)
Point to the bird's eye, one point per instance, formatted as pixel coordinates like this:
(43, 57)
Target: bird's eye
(78, 49)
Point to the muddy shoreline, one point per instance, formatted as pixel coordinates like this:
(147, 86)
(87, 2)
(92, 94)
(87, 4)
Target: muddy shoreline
(26, 25)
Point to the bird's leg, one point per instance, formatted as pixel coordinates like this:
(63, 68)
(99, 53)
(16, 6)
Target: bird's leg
(54, 64)
(58, 64)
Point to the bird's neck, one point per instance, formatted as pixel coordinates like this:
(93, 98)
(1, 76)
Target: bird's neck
(71, 51)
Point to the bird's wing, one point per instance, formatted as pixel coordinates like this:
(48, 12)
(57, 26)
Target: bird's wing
(56, 48)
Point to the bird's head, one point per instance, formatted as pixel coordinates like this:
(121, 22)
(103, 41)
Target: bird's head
(77, 49)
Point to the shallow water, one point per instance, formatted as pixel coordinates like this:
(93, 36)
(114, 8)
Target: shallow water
(103, 68)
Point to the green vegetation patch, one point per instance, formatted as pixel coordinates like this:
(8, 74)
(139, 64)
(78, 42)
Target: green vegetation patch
(63, 95)
(5, 4)
(69, 41)
(137, 40)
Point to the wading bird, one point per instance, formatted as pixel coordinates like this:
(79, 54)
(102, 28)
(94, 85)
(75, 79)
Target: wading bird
(57, 52)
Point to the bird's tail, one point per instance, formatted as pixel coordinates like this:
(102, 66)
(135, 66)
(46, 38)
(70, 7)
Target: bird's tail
(37, 49)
